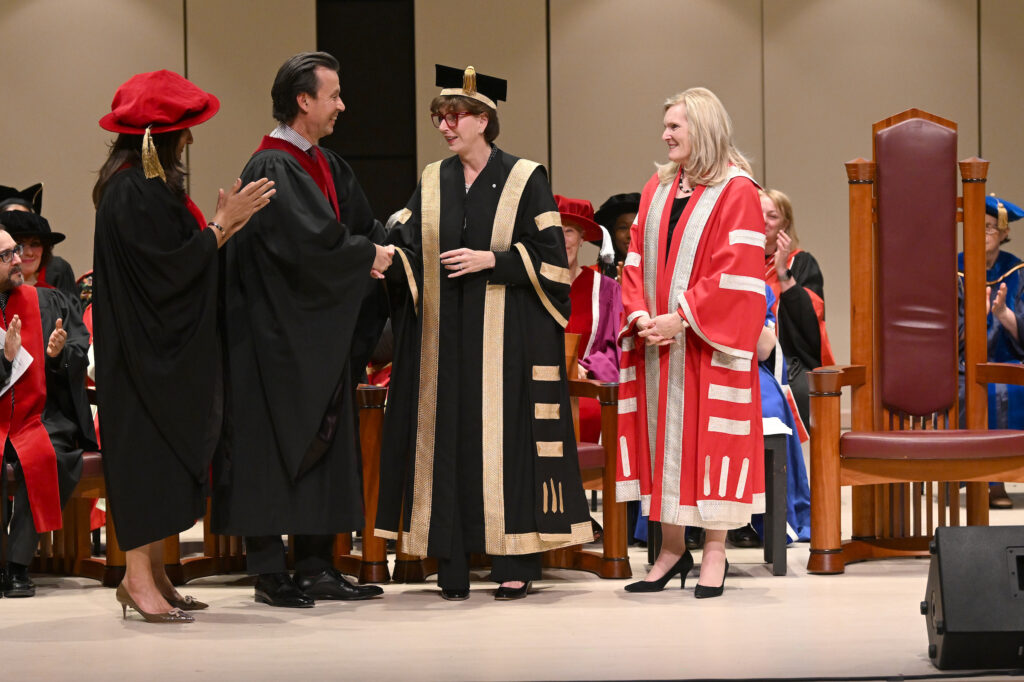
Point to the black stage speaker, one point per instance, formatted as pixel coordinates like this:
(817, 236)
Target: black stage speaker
(974, 602)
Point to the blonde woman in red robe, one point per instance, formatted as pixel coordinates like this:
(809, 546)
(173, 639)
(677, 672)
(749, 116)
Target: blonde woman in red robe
(690, 442)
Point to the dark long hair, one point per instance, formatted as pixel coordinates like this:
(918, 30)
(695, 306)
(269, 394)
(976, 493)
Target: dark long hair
(127, 149)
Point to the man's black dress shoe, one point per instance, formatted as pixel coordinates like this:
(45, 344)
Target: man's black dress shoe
(455, 595)
(510, 593)
(331, 584)
(744, 537)
(277, 589)
(694, 537)
(17, 583)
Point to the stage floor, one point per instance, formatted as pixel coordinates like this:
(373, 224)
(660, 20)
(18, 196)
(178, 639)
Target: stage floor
(574, 626)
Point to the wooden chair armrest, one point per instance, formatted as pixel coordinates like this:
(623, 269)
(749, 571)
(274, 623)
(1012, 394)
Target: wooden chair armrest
(832, 378)
(605, 393)
(1000, 373)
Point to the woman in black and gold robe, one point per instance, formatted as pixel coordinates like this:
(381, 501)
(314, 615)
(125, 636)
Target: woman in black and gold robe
(478, 443)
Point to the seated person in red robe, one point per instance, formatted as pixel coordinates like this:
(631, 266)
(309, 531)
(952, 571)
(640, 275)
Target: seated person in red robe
(27, 446)
(596, 311)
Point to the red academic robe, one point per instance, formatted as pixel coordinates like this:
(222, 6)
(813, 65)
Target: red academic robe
(772, 278)
(23, 425)
(690, 440)
(596, 316)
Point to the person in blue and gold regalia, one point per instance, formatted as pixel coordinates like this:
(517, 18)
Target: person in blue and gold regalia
(1004, 280)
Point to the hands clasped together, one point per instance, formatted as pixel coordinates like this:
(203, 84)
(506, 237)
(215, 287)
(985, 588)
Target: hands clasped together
(661, 330)
(464, 261)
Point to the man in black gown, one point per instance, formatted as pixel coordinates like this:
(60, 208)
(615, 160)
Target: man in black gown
(27, 447)
(303, 312)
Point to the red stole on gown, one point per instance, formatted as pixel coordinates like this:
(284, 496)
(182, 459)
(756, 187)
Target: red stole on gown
(23, 425)
(319, 170)
(772, 278)
(690, 438)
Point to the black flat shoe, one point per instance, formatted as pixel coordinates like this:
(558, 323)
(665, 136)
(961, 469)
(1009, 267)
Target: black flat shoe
(694, 538)
(680, 568)
(744, 537)
(455, 595)
(17, 584)
(331, 584)
(997, 497)
(510, 593)
(278, 589)
(705, 592)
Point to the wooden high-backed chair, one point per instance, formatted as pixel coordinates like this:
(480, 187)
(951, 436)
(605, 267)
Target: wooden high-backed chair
(904, 352)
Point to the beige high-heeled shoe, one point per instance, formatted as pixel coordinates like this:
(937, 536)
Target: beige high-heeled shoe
(175, 615)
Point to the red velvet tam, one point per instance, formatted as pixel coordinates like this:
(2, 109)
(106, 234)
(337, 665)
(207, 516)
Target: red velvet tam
(161, 99)
(579, 213)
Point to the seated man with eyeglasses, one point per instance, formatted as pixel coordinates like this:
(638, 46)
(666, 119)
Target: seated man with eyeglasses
(27, 447)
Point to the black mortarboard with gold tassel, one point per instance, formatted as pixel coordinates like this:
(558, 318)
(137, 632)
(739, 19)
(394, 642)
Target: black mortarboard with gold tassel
(468, 83)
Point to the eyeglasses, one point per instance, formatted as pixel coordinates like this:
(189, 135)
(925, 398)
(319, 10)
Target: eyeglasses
(452, 118)
(6, 256)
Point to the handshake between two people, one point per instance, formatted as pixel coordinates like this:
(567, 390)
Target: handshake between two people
(382, 260)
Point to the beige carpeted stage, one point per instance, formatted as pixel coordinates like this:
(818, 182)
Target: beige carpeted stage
(574, 626)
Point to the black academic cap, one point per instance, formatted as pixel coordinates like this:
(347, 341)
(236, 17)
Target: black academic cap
(21, 224)
(616, 205)
(30, 197)
(468, 83)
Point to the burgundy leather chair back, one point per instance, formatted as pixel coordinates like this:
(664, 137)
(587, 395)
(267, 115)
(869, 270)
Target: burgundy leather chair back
(915, 285)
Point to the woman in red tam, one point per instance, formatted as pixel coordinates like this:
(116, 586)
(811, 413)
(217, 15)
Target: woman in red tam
(158, 357)
(596, 310)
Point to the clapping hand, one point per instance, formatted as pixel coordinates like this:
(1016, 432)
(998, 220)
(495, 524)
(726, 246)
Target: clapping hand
(12, 342)
(58, 338)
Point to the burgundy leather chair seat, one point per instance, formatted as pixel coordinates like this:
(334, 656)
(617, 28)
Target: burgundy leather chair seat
(924, 445)
(92, 464)
(591, 455)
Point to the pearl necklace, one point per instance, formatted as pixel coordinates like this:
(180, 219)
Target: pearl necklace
(686, 191)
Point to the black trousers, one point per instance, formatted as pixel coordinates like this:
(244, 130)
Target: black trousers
(22, 537)
(453, 572)
(265, 554)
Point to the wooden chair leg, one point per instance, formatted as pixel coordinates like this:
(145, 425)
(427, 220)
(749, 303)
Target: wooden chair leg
(826, 549)
(114, 571)
(775, 499)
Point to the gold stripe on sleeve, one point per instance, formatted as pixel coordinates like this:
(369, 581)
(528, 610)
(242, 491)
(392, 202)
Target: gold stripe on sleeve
(410, 278)
(541, 294)
(404, 215)
(555, 273)
(549, 219)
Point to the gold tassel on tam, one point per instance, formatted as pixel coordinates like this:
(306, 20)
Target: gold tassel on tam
(150, 161)
(469, 79)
